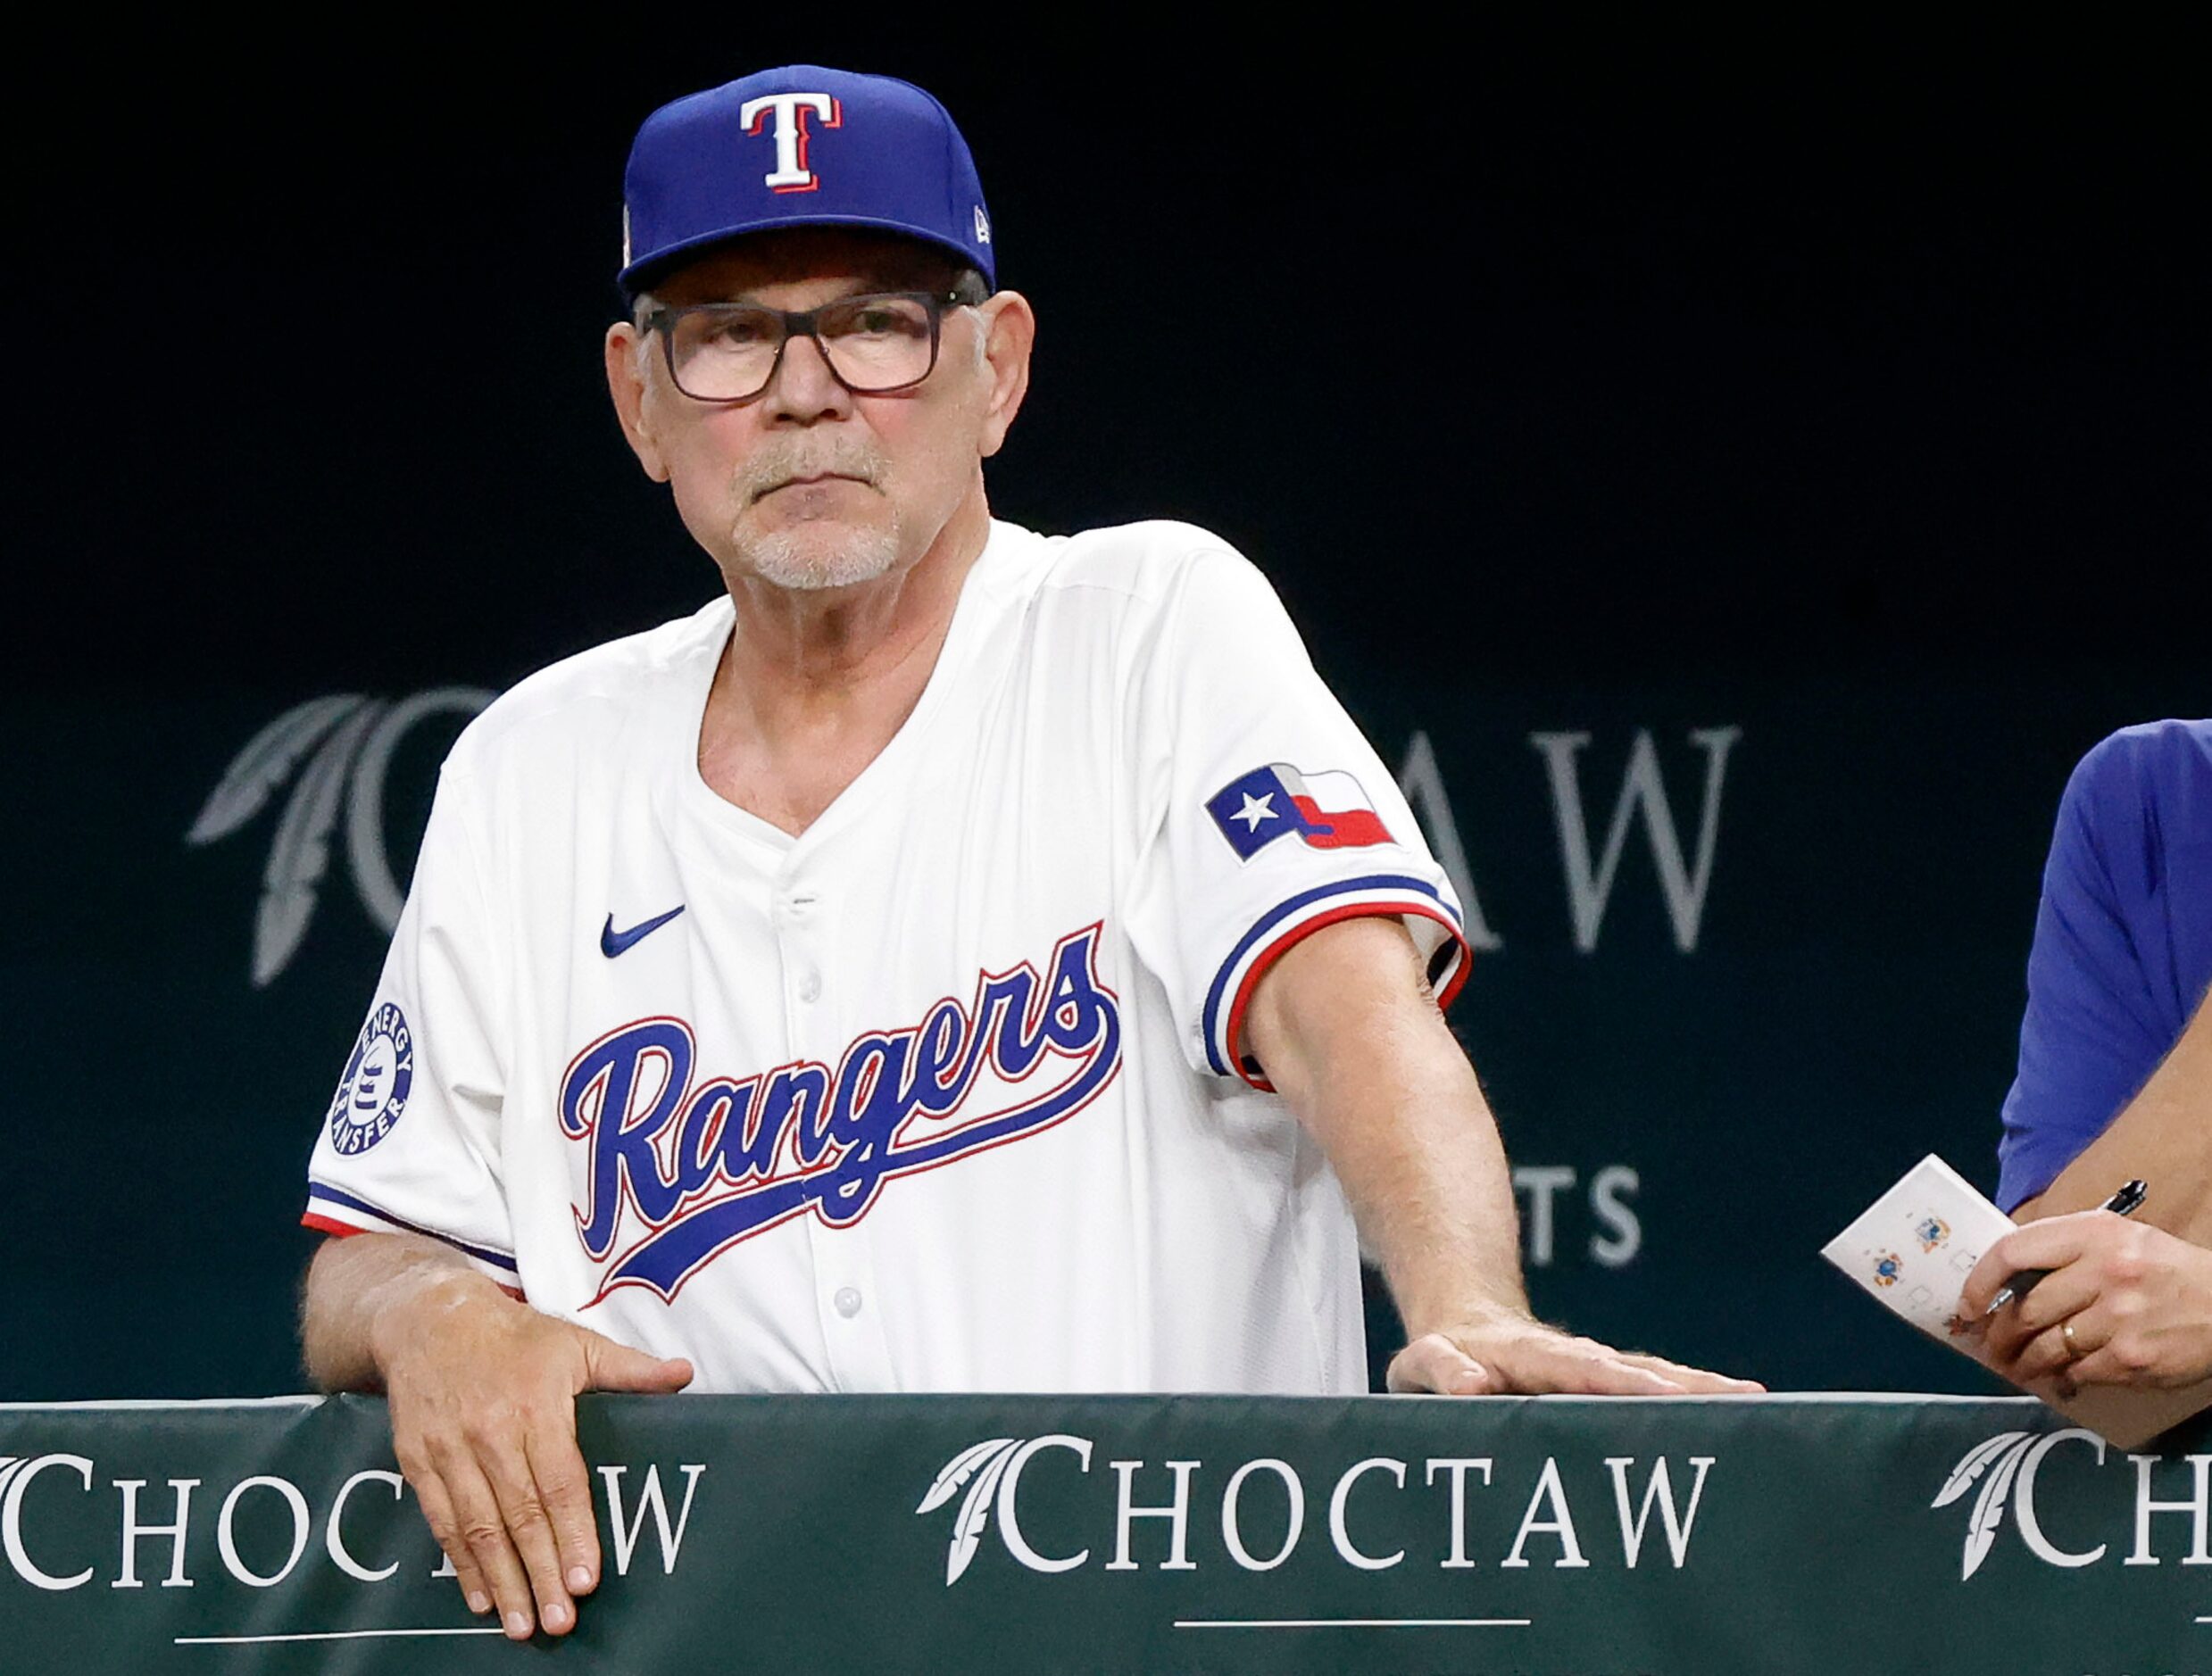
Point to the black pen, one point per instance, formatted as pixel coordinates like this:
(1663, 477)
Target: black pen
(2127, 1202)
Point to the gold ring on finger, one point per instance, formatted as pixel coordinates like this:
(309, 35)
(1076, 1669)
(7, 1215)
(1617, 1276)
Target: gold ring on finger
(2073, 1345)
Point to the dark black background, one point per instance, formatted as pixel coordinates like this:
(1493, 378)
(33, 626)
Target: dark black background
(1647, 350)
(1606, 376)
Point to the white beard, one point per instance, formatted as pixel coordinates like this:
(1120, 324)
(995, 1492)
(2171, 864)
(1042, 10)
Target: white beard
(811, 557)
(817, 553)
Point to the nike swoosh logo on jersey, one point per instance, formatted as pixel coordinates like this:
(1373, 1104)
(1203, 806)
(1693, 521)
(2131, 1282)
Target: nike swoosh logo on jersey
(612, 942)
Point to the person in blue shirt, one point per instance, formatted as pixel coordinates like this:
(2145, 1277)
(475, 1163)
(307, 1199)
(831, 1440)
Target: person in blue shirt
(2115, 1082)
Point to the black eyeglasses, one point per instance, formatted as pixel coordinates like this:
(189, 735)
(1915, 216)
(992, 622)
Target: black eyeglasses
(873, 344)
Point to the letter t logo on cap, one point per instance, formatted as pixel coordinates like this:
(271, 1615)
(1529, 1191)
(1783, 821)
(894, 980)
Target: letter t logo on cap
(791, 173)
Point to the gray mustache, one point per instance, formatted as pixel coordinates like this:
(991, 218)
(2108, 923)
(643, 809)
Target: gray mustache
(775, 466)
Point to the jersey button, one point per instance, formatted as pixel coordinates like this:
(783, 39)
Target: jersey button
(811, 989)
(848, 1302)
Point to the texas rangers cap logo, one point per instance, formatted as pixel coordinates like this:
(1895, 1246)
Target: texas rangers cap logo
(1327, 811)
(790, 111)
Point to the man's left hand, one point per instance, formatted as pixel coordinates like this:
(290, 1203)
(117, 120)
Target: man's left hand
(1520, 1356)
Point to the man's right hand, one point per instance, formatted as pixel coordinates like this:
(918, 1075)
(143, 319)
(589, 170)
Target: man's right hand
(483, 1394)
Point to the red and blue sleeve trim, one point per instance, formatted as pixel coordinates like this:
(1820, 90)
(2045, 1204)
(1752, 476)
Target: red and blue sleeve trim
(1290, 922)
(323, 1201)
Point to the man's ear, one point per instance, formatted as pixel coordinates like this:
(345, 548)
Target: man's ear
(1009, 328)
(626, 373)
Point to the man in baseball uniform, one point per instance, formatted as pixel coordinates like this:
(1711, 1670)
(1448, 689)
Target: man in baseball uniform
(952, 959)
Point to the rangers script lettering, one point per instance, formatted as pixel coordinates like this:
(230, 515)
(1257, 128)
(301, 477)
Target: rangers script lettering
(747, 1153)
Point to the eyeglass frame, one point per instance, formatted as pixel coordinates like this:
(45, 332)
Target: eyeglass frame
(801, 322)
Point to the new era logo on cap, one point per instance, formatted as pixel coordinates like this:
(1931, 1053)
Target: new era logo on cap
(799, 146)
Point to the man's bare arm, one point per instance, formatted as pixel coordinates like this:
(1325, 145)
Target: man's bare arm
(2164, 1135)
(482, 1389)
(1347, 1032)
(352, 1282)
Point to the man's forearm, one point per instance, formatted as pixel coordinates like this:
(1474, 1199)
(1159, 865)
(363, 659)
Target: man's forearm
(2164, 1135)
(1370, 1067)
(352, 1285)
(1428, 1181)
(1348, 1033)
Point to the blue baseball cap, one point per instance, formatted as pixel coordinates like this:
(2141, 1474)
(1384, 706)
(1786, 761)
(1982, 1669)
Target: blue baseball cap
(800, 147)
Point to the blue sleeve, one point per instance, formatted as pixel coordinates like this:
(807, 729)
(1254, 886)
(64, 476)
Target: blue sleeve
(2110, 987)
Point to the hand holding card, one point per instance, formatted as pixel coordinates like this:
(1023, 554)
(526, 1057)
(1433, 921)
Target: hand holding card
(1914, 1248)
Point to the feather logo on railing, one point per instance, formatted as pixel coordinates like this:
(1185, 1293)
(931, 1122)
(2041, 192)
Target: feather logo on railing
(980, 1468)
(346, 741)
(1997, 1457)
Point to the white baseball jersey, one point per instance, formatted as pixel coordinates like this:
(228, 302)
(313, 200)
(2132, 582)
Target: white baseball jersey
(943, 1093)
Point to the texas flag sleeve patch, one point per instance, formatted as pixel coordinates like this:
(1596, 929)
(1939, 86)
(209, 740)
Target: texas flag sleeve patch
(1327, 811)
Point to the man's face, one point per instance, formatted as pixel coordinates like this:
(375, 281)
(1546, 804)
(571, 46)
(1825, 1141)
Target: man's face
(809, 485)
